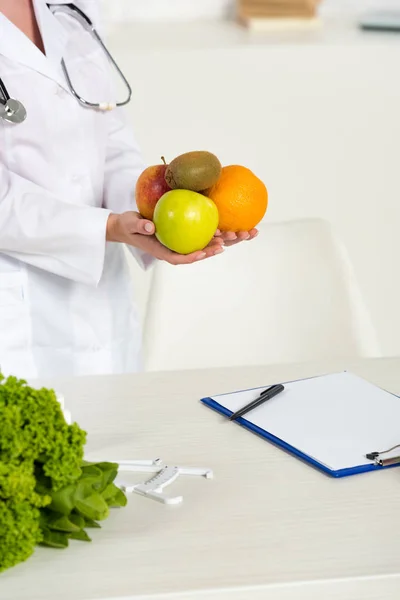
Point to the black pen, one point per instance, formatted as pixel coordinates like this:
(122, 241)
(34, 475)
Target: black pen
(263, 397)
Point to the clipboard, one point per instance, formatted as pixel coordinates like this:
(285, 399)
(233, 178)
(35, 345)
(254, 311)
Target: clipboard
(378, 437)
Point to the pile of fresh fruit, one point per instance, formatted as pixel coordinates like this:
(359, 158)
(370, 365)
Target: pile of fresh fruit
(194, 195)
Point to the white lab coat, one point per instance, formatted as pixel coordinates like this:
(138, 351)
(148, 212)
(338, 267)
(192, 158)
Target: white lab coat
(66, 299)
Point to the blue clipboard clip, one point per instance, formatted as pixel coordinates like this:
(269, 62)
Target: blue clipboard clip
(384, 462)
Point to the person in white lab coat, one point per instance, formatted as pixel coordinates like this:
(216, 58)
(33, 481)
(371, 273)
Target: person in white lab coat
(67, 176)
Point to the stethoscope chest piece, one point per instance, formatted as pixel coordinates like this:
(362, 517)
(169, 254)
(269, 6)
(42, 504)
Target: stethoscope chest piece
(12, 111)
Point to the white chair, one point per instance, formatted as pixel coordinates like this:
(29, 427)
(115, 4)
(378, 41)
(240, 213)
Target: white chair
(288, 296)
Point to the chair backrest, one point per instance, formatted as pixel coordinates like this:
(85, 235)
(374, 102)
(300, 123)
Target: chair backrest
(288, 296)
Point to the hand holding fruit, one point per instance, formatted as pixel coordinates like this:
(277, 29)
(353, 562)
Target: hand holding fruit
(195, 201)
(132, 229)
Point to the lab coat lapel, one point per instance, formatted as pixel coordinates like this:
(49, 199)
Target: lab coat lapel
(18, 47)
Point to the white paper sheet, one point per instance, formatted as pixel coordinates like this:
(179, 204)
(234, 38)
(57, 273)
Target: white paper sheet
(336, 419)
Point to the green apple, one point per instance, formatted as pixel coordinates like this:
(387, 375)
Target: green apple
(185, 221)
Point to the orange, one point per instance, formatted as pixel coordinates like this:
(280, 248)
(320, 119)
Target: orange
(241, 199)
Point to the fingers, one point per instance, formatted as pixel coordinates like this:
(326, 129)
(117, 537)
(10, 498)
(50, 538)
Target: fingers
(132, 223)
(145, 227)
(188, 259)
(213, 248)
(180, 259)
(216, 243)
(240, 236)
(231, 238)
(147, 241)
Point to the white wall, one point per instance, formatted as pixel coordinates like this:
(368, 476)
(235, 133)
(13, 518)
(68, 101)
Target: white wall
(122, 10)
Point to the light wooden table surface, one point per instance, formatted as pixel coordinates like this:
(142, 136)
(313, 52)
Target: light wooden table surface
(267, 527)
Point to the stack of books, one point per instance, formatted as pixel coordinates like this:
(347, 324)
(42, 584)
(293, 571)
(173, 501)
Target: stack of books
(260, 14)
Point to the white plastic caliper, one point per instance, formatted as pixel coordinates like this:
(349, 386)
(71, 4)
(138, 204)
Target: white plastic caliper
(153, 487)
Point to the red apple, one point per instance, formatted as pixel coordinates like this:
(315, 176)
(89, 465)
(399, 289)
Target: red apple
(150, 186)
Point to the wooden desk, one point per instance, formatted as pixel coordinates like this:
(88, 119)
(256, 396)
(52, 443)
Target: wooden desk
(267, 527)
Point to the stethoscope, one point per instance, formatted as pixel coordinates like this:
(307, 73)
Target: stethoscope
(13, 111)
